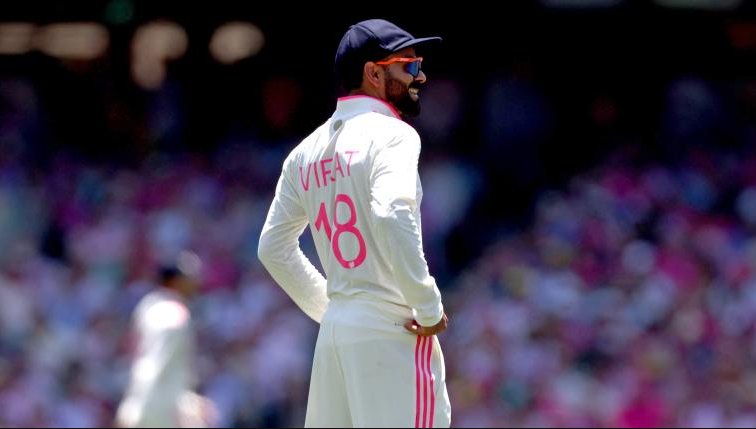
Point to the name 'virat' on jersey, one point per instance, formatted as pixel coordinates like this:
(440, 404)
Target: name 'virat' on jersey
(355, 182)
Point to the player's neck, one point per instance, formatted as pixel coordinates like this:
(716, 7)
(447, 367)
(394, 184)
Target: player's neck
(370, 92)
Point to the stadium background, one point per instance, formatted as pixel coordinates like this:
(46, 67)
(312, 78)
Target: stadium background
(590, 211)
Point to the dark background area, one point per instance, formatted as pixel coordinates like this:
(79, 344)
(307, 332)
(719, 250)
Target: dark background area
(600, 73)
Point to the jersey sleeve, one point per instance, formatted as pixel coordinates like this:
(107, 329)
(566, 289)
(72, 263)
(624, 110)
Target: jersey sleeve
(394, 199)
(280, 253)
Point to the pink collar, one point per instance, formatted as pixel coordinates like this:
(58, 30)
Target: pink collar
(356, 104)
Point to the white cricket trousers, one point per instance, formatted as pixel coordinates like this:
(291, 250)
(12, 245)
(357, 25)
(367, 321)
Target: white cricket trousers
(369, 371)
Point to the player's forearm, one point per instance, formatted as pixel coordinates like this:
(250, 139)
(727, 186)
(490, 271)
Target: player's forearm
(296, 275)
(402, 234)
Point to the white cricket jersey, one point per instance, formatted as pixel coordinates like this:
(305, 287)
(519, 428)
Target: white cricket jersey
(355, 182)
(162, 372)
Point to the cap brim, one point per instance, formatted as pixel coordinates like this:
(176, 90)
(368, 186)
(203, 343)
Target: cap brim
(422, 41)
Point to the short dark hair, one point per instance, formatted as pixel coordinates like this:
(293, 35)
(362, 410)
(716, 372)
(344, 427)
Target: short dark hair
(168, 274)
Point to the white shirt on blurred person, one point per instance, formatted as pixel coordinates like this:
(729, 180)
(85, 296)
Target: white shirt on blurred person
(160, 392)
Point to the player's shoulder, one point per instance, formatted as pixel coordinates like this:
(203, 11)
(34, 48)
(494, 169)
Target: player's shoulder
(389, 124)
(389, 129)
(161, 309)
(167, 314)
(308, 144)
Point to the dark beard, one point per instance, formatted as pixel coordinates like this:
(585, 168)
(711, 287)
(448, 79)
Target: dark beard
(398, 95)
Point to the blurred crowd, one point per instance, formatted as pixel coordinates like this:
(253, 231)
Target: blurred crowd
(82, 246)
(630, 302)
(625, 296)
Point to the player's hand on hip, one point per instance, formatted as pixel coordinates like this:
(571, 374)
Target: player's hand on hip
(427, 331)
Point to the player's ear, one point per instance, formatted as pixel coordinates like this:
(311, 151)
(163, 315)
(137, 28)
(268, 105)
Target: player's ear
(372, 74)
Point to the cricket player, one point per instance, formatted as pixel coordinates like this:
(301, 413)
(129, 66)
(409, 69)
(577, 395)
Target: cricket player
(355, 182)
(160, 393)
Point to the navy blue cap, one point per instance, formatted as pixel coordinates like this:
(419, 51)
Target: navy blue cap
(371, 40)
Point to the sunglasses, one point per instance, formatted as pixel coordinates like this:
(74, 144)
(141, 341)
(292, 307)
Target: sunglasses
(412, 64)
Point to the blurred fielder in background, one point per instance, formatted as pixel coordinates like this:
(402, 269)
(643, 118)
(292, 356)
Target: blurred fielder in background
(355, 181)
(161, 390)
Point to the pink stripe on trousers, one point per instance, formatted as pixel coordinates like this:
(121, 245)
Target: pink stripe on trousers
(417, 381)
(432, 410)
(425, 402)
